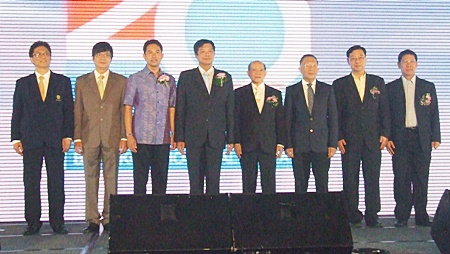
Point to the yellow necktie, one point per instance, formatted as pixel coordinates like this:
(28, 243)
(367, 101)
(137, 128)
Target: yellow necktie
(101, 86)
(41, 87)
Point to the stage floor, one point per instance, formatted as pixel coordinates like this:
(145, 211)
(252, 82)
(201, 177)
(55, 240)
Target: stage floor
(409, 240)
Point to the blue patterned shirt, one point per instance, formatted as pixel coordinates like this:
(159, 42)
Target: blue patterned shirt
(151, 101)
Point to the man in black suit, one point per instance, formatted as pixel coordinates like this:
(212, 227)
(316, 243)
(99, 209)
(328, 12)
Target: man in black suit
(42, 127)
(258, 129)
(415, 130)
(364, 128)
(204, 118)
(311, 127)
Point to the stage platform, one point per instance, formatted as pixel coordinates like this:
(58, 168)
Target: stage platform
(409, 240)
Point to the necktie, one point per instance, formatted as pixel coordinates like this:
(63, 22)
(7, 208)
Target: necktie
(410, 118)
(41, 87)
(259, 99)
(101, 86)
(207, 82)
(310, 98)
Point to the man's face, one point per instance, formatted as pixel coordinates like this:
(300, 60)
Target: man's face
(257, 73)
(102, 60)
(205, 54)
(357, 60)
(153, 55)
(408, 65)
(41, 57)
(309, 68)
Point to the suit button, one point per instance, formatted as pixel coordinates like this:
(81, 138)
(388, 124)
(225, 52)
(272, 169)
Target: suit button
(101, 106)
(101, 119)
(311, 130)
(310, 119)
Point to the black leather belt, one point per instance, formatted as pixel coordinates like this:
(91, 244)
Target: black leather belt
(411, 128)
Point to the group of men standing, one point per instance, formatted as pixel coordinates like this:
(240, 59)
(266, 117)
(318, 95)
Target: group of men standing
(358, 113)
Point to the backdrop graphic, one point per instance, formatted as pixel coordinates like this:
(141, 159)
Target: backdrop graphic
(276, 32)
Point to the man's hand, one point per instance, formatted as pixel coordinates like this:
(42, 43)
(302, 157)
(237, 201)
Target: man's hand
(435, 144)
(78, 146)
(66, 144)
(289, 152)
(331, 152)
(18, 148)
(173, 144)
(131, 143)
(341, 145)
(383, 142)
(238, 150)
(123, 146)
(279, 151)
(181, 146)
(390, 147)
(229, 148)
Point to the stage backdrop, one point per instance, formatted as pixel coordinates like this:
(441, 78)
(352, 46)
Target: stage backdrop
(275, 32)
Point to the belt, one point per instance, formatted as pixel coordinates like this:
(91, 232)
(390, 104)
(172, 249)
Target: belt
(411, 128)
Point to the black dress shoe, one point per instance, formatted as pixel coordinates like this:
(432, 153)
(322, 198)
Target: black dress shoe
(32, 229)
(374, 224)
(61, 230)
(425, 223)
(91, 228)
(400, 224)
(106, 227)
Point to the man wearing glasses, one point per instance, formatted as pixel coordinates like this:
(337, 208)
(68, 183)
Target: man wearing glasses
(100, 131)
(364, 128)
(42, 127)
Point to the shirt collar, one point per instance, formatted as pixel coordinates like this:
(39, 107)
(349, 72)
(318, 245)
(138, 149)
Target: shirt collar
(147, 71)
(304, 82)
(413, 80)
(105, 75)
(361, 77)
(46, 75)
(210, 71)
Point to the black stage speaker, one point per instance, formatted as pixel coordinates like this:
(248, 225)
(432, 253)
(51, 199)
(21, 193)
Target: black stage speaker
(170, 224)
(290, 223)
(440, 229)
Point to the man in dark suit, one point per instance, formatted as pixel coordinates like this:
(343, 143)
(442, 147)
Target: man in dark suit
(258, 129)
(100, 131)
(204, 118)
(311, 127)
(42, 127)
(364, 128)
(415, 130)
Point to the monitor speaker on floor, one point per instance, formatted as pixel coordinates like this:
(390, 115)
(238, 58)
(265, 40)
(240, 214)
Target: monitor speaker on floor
(291, 223)
(170, 223)
(440, 229)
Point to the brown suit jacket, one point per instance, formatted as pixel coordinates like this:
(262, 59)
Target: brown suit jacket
(99, 120)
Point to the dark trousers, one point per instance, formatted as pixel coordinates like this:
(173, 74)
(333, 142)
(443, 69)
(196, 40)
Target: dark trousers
(204, 162)
(32, 165)
(249, 164)
(411, 165)
(302, 164)
(156, 159)
(371, 162)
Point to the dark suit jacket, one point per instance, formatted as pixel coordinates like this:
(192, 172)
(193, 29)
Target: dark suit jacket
(254, 130)
(202, 117)
(314, 132)
(99, 120)
(362, 121)
(35, 122)
(427, 116)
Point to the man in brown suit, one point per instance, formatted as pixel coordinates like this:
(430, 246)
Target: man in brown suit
(99, 131)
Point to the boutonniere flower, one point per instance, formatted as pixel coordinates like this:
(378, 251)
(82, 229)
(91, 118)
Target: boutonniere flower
(272, 100)
(164, 79)
(374, 90)
(425, 100)
(220, 79)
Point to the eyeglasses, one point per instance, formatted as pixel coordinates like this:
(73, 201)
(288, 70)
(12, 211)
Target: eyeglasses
(106, 55)
(39, 54)
(354, 59)
(409, 62)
